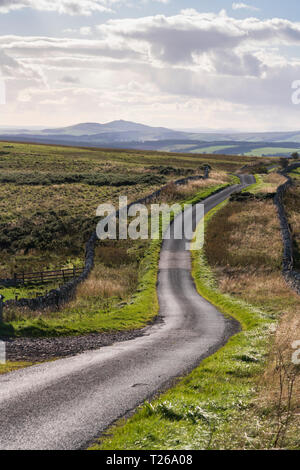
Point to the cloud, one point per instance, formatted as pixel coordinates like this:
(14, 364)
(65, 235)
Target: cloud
(158, 1)
(179, 39)
(70, 7)
(85, 30)
(157, 65)
(244, 6)
(69, 79)
(45, 47)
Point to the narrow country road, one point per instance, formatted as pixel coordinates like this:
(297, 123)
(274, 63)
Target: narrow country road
(67, 403)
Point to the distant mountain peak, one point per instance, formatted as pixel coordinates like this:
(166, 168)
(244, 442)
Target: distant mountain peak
(120, 125)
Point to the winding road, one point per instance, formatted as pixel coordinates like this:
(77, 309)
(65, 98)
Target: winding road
(66, 404)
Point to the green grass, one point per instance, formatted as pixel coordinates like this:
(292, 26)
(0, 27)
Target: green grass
(211, 149)
(198, 412)
(255, 187)
(27, 291)
(47, 158)
(275, 151)
(12, 366)
(295, 173)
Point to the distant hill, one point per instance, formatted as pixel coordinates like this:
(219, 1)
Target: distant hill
(127, 134)
(291, 136)
(127, 131)
(123, 131)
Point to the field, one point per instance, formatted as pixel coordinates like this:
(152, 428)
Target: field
(271, 151)
(246, 396)
(46, 218)
(212, 149)
(246, 149)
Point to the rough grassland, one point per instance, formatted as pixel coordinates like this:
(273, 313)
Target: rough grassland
(48, 202)
(276, 151)
(49, 195)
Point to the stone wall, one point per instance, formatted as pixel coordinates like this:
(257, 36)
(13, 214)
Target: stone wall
(291, 276)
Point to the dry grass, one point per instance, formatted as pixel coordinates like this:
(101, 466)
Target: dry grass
(234, 239)
(106, 282)
(271, 182)
(174, 193)
(287, 333)
(244, 247)
(268, 183)
(115, 273)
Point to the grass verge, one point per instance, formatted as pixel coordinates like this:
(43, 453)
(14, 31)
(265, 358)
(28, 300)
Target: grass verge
(12, 366)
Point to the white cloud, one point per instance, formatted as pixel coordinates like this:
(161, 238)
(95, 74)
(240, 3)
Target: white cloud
(159, 1)
(244, 6)
(31, 47)
(160, 65)
(204, 42)
(71, 7)
(85, 30)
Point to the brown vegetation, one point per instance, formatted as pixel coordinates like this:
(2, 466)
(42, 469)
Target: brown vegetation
(244, 247)
(174, 193)
(271, 182)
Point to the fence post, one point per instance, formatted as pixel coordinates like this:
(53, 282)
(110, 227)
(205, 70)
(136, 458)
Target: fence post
(1, 308)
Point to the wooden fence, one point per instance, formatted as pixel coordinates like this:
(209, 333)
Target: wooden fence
(42, 277)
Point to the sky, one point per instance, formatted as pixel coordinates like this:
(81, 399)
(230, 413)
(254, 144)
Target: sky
(174, 63)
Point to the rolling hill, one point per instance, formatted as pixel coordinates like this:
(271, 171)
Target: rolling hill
(127, 134)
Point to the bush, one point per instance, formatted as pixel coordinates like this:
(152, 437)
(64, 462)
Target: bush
(47, 232)
(170, 170)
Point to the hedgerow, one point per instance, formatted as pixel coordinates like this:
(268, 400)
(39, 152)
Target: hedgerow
(93, 179)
